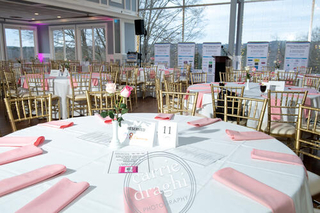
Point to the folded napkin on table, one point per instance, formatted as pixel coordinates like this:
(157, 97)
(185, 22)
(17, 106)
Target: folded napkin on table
(243, 136)
(57, 124)
(273, 199)
(106, 120)
(203, 122)
(19, 153)
(132, 205)
(240, 82)
(163, 116)
(276, 157)
(55, 198)
(21, 141)
(27, 179)
(200, 97)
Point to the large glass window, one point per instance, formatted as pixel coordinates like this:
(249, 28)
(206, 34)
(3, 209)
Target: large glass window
(64, 44)
(93, 43)
(20, 43)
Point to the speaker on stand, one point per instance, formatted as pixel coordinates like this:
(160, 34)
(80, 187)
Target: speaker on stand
(139, 29)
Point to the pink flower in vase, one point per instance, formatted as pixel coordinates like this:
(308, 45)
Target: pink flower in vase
(126, 91)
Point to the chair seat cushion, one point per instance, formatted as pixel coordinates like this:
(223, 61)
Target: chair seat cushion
(282, 129)
(314, 183)
(78, 97)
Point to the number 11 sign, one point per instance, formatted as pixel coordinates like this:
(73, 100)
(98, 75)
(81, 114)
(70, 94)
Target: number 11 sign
(167, 134)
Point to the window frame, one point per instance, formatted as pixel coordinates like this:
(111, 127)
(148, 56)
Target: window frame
(62, 27)
(88, 26)
(21, 27)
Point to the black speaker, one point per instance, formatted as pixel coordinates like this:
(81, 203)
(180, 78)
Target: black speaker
(139, 26)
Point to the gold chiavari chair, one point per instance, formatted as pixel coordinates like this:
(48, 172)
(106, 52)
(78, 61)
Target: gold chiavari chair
(289, 77)
(198, 78)
(55, 65)
(39, 68)
(150, 75)
(39, 86)
(307, 141)
(28, 108)
(178, 103)
(27, 68)
(304, 70)
(115, 72)
(223, 77)
(248, 112)
(176, 74)
(173, 86)
(11, 88)
(77, 100)
(262, 76)
(158, 88)
(237, 76)
(283, 112)
(99, 101)
(185, 77)
(96, 68)
(218, 93)
(311, 81)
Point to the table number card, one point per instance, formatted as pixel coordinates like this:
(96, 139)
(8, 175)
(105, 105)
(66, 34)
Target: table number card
(54, 73)
(168, 134)
(279, 85)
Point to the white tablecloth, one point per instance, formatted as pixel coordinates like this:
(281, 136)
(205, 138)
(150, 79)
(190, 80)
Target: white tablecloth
(87, 161)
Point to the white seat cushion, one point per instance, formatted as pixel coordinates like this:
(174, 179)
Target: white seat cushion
(282, 129)
(314, 183)
(78, 97)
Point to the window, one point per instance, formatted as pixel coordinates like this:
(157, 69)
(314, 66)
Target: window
(64, 46)
(93, 43)
(20, 42)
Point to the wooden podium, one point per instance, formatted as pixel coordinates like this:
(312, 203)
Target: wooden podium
(221, 63)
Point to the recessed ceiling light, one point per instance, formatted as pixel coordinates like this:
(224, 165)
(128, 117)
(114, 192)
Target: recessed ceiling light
(58, 16)
(33, 19)
(36, 14)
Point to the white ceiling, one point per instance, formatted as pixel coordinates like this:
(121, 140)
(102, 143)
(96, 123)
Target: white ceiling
(14, 10)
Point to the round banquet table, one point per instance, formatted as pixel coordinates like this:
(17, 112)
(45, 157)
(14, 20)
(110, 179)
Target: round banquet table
(86, 161)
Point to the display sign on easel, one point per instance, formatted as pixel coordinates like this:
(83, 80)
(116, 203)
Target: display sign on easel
(162, 53)
(186, 54)
(257, 54)
(296, 55)
(210, 49)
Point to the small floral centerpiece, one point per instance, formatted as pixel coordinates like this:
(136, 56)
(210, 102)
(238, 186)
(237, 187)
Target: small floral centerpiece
(119, 108)
(66, 64)
(277, 64)
(248, 75)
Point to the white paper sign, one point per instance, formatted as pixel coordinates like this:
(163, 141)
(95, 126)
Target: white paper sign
(208, 62)
(279, 85)
(296, 55)
(54, 73)
(162, 53)
(167, 134)
(257, 54)
(186, 54)
(138, 133)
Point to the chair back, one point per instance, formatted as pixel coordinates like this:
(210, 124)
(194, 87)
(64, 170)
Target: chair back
(28, 108)
(158, 88)
(248, 112)
(311, 127)
(237, 76)
(173, 86)
(80, 82)
(178, 103)
(223, 76)
(218, 93)
(311, 81)
(198, 78)
(289, 77)
(10, 85)
(99, 101)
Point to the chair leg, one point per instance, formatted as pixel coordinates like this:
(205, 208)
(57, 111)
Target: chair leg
(72, 109)
(68, 108)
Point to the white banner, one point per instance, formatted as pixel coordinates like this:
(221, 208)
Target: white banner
(257, 54)
(186, 54)
(208, 62)
(297, 55)
(162, 54)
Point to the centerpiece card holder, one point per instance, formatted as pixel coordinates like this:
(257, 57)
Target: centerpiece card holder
(139, 133)
(276, 85)
(54, 73)
(167, 134)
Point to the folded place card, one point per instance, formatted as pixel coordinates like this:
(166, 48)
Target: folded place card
(55, 73)
(167, 134)
(14, 141)
(27, 179)
(279, 85)
(55, 198)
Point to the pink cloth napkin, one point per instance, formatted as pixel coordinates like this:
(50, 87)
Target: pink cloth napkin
(75, 83)
(218, 83)
(243, 136)
(203, 122)
(271, 198)
(132, 205)
(240, 82)
(25, 85)
(277, 157)
(106, 120)
(199, 88)
(21, 141)
(57, 124)
(163, 116)
(27, 179)
(94, 81)
(19, 154)
(55, 198)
